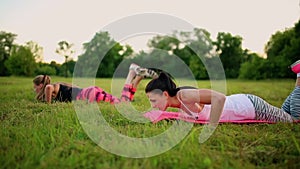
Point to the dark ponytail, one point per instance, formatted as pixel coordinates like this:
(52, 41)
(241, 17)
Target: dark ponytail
(163, 83)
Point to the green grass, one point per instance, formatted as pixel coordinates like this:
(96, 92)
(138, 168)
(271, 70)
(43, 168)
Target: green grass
(37, 135)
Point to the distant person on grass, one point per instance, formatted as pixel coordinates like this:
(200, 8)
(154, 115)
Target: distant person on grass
(205, 104)
(62, 92)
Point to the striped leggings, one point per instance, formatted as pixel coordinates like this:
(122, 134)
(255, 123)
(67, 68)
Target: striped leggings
(291, 104)
(289, 111)
(97, 94)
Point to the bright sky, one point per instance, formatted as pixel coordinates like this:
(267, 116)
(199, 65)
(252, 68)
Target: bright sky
(49, 21)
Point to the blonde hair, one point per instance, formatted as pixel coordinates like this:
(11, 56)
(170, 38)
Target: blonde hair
(41, 79)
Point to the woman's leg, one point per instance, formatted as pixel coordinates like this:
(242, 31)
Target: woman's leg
(292, 103)
(129, 89)
(135, 75)
(298, 80)
(97, 94)
(265, 111)
(295, 103)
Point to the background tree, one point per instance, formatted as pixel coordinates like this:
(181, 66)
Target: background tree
(202, 52)
(36, 50)
(193, 48)
(103, 54)
(45, 69)
(56, 66)
(230, 52)
(282, 49)
(21, 62)
(6, 44)
(70, 68)
(254, 68)
(65, 49)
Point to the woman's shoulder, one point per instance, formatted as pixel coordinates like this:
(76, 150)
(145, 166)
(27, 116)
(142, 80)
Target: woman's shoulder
(63, 84)
(67, 86)
(55, 86)
(187, 87)
(187, 93)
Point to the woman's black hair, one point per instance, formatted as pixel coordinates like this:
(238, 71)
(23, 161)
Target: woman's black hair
(163, 83)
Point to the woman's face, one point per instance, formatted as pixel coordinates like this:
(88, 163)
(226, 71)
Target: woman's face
(37, 88)
(157, 100)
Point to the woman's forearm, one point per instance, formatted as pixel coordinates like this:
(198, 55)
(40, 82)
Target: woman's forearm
(48, 93)
(217, 106)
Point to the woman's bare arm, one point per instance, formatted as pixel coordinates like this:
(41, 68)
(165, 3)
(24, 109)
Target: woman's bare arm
(51, 90)
(194, 99)
(217, 101)
(48, 93)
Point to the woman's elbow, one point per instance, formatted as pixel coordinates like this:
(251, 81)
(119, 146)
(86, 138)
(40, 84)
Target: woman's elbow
(221, 98)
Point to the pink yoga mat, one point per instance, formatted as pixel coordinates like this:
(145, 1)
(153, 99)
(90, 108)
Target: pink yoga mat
(156, 116)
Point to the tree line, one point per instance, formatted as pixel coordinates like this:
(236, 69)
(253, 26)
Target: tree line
(102, 56)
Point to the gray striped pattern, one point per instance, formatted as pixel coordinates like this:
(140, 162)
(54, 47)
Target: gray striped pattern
(265, 111)
(292, 104)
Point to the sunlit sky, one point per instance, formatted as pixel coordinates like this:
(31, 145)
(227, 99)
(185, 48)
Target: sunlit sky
(49, 21)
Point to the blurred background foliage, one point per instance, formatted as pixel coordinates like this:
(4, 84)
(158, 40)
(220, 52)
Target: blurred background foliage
(195, 49)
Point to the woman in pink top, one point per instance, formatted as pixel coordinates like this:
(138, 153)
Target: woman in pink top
(63, 92)
(205, 104)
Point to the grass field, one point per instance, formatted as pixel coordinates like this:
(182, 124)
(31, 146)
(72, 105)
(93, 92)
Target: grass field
(37, 135)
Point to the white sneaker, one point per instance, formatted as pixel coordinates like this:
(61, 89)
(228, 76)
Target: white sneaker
(140, 71)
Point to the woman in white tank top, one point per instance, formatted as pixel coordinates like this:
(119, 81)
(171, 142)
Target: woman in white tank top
(205, 104)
